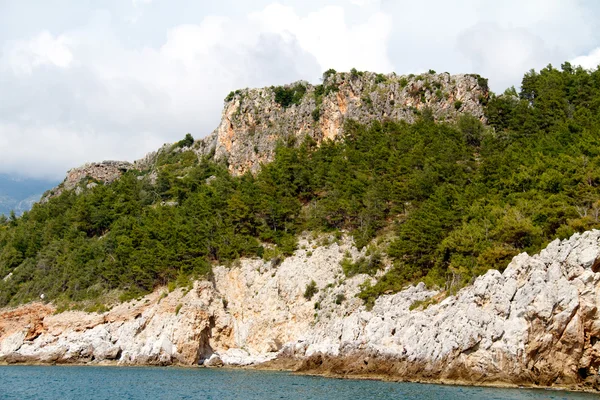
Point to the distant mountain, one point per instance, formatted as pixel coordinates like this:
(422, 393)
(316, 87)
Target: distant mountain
(19, 194)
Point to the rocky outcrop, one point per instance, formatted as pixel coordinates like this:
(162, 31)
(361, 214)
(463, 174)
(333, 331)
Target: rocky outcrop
(536, 323)
(90, 174)
(254, 121)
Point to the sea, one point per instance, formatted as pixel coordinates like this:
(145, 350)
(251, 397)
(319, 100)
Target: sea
(92, 382)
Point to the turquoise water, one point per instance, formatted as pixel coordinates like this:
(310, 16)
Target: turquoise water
(33, 382)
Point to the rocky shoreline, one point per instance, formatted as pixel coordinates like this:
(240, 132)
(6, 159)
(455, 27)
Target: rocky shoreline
(295, 366)
(534, 325)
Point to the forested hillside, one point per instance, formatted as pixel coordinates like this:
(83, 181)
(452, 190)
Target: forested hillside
(445, 202)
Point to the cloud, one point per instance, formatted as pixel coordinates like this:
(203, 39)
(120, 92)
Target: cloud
(22, 56)
(364, 3)
(502, 53)
(499, 40)
(29, 144)
(326, 35)
(589, 61)
(85, 95)
(117, 80)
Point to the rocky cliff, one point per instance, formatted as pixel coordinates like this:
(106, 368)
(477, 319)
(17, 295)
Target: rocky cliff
(536, 323)
(254, 120)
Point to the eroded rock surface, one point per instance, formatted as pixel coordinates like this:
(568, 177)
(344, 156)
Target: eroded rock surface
(253, 121)
(535, 323)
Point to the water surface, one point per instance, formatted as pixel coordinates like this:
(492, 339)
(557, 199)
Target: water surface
(70, 382)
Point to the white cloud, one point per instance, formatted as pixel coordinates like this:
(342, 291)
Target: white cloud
(30, 144)
(326, 35)
(364, 3)
(22, 56)
(505, 54)
(140, 2)
(101, 84)
(117, 102)
(499, 40)
(589, 61)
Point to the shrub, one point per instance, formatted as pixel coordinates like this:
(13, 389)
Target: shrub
(232, 94)
(320, 92)
(355, 74)
(380, 78)
(316, 114)
(340, 298)
(311, 290)
(288, 244)
(482, 82)
(288, 96)
(328, 73)
(458, 104)
(422, 303)
(188, 141)
(162, 296)
(364, 265)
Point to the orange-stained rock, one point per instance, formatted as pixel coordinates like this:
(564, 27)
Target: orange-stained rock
(253, 122)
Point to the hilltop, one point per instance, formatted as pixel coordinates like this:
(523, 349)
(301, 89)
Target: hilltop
(255, 121)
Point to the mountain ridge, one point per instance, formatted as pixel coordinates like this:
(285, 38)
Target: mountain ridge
(19, 195)
(254, 121)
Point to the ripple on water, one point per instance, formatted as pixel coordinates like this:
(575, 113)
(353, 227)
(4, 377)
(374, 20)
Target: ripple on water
(70, 382)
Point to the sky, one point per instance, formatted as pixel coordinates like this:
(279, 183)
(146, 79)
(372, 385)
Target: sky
(92, 80)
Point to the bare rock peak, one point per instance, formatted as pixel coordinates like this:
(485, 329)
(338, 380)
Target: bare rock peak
(254, 120)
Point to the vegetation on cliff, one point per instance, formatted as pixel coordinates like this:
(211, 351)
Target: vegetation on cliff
(454, 200)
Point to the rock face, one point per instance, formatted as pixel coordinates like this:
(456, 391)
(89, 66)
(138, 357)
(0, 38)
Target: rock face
(536, 323)
(253, 121)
